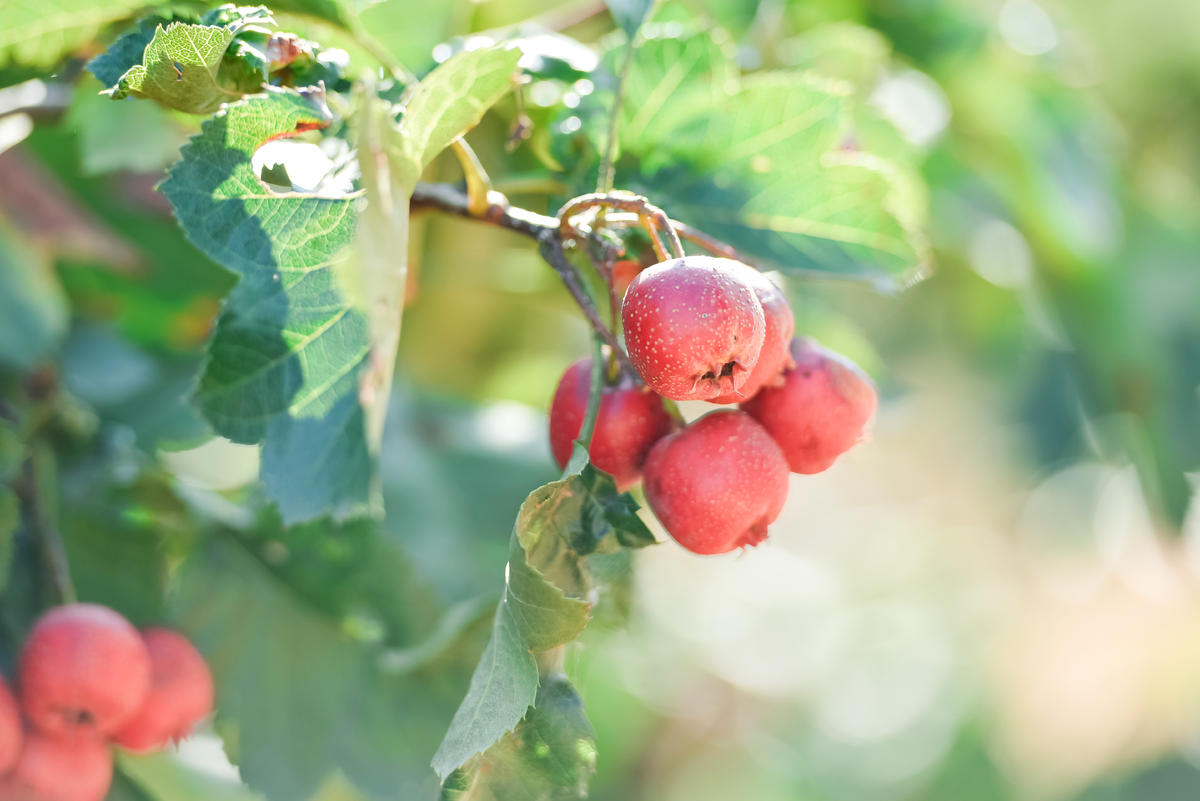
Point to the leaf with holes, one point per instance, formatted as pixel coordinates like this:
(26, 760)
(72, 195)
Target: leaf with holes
(283, 363)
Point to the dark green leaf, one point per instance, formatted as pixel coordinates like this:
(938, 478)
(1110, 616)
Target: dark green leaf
(283, 364)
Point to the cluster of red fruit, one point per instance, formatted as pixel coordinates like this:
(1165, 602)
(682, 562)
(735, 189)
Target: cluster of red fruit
(86, 678)
(711, 329)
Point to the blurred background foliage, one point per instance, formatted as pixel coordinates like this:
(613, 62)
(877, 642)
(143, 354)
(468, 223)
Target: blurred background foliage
(997, 598)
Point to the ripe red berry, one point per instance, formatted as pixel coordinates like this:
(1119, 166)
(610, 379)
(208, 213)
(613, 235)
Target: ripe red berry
(821, 409)
(181, 693)
(10, 729)
(693, 327)
(58, 769)
(717, 484)
(776, 354)
(84, 671)
(629, 422)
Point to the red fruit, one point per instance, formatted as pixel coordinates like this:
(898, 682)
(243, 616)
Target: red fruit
(693, 327)
(717, 484)
(84, 671)
(10, 729)
(776, 354)
(58, 769)
(628, 424)
(181, 693)
(821, 409)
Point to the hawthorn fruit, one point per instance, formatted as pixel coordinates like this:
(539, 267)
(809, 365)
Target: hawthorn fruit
(693, 327)
(630, 420)
(820, 410)
(180, 696)
(84, 671)
(10, 728)
(53, 768)
(776, 354)
(717, 484)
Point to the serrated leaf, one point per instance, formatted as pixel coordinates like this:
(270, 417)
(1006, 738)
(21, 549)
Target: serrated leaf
(630, 14)
(451, 100)
(283, 363)
(127, 51)
(550, 756)
(502, 688)
(545, 601)
(185, 67)
(39, 33)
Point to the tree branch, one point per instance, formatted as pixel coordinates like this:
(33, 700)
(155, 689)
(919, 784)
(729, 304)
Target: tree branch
(543, 229)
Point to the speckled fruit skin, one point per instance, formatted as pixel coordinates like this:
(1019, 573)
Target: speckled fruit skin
(84, 671)
(629, 422)
(693, 327)
(776, 354)
(10, 729)
(56, 769)
(181, 693)
(717, 484)
(821, 409)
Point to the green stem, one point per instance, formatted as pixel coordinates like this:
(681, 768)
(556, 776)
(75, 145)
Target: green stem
(43, 491)
(595, 393)
(604, 181)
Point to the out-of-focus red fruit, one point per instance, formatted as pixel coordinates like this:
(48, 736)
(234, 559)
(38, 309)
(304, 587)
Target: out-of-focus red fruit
(820, 410)
(776, 355)
(693, 327)
(10, 729)
(84, 671)
(629, 422)
(717, 484)
(181, 693)
(57, 769)
(624, 271)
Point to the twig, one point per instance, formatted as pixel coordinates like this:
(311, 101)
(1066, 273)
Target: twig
(544, 229)
(652, 217)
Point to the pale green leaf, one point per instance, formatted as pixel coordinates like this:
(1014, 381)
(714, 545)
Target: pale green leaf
(39, 33)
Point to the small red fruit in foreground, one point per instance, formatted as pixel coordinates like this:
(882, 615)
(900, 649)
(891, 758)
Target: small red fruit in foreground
(717, 484)
(10, 729)
(693, 327)
(775, 355)
(181, 693)
(84, 671)
(57, 769)
(821, 409)
(628, 424)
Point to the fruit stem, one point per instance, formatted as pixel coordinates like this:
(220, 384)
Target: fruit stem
(653, 219)
(604, 181)
(42, 482)
(479, 185)
(595, 394)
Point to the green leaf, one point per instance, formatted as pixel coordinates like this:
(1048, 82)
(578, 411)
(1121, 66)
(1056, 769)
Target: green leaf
(33, 308)
(300, 698)
(502, 688)
(186, 67)
(545, 602)
(283, 363)
(127, 51)
(450, 101)
(39, 33)
(550, 756)
(630, 14)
